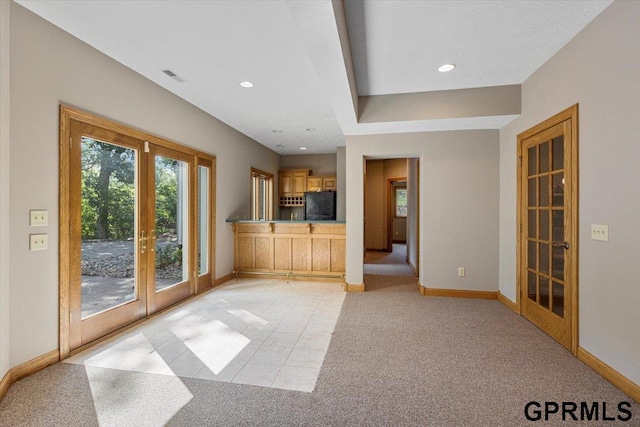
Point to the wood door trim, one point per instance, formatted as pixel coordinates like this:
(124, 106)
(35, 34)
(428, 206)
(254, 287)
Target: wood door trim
(63, 232)
(70, 112)
(570, 114)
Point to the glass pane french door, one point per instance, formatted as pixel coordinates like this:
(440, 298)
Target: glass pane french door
(170, 234)
(545, 233)
(136, 226)
(106, 174)
(132, 245)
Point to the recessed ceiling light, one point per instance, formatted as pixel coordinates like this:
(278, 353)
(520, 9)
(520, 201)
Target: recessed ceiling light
(280, 146)
(446, 68)
(246, 84)
(276, 131)
(303, 148)
(311, 129)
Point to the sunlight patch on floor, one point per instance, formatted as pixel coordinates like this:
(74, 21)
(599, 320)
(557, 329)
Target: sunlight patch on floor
(124, 398)
(267, 333)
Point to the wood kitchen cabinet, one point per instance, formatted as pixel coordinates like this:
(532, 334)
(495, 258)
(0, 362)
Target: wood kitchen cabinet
(292, 185)
(290, 249)
(329, 183)
(321, 183)
(314, 183)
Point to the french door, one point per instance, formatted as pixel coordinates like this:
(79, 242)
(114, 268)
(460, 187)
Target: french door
(548, 227)
(139, 235)
(168, 237)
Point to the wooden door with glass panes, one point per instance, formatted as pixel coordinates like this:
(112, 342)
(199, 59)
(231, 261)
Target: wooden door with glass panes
(136, 226)
(548, 224)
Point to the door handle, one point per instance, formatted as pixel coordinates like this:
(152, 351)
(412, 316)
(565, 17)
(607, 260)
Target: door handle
(143, 242)
(560, 244)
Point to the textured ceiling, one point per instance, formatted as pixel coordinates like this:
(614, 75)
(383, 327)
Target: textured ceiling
(398, 45)
(215, 45)
(297, 55)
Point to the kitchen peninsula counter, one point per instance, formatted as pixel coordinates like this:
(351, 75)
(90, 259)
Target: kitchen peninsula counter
(300, 249)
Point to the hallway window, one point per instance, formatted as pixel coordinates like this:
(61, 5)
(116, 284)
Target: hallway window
(400, 202)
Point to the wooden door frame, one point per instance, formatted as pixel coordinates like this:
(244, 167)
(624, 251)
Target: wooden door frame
(67, 114)
(390, 209)
(571, 114)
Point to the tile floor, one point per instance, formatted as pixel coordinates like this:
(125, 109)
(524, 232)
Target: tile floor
(268, 333)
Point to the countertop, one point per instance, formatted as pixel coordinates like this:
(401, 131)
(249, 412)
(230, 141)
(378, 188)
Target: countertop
(297, 221)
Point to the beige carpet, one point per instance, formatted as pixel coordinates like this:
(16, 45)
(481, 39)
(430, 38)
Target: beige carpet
(395, 358)
(388, 263)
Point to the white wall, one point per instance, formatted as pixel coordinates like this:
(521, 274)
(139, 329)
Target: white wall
(5, 9)
(600, 70)
(49, 67)
(458, 204)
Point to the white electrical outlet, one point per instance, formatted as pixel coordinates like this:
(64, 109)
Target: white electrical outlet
(38, 242)
(461, 272)
(600, 232)
(38, 218)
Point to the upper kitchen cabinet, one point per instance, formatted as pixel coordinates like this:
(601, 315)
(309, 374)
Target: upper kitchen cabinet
(321, 183)
(329, 183)
(292, 185)
(314, 183)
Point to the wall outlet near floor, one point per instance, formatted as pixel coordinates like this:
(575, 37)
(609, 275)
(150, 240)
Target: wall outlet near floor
(461, 271)
(38, 242)
(600, 232)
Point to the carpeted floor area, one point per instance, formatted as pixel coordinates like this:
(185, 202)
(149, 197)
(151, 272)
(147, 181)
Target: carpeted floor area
(395, 358)
(388, 263)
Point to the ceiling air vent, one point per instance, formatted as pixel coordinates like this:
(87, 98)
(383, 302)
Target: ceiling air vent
(173, 75)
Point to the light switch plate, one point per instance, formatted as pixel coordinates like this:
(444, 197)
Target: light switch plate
(38, 218)
(38, 242)
(461, 272)
(600, 232)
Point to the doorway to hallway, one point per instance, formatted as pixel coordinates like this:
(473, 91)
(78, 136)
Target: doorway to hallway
(392, 263)
(389, 271)
(391, 226)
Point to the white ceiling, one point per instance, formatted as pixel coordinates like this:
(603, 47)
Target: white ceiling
(299, 72)
(398, 45)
